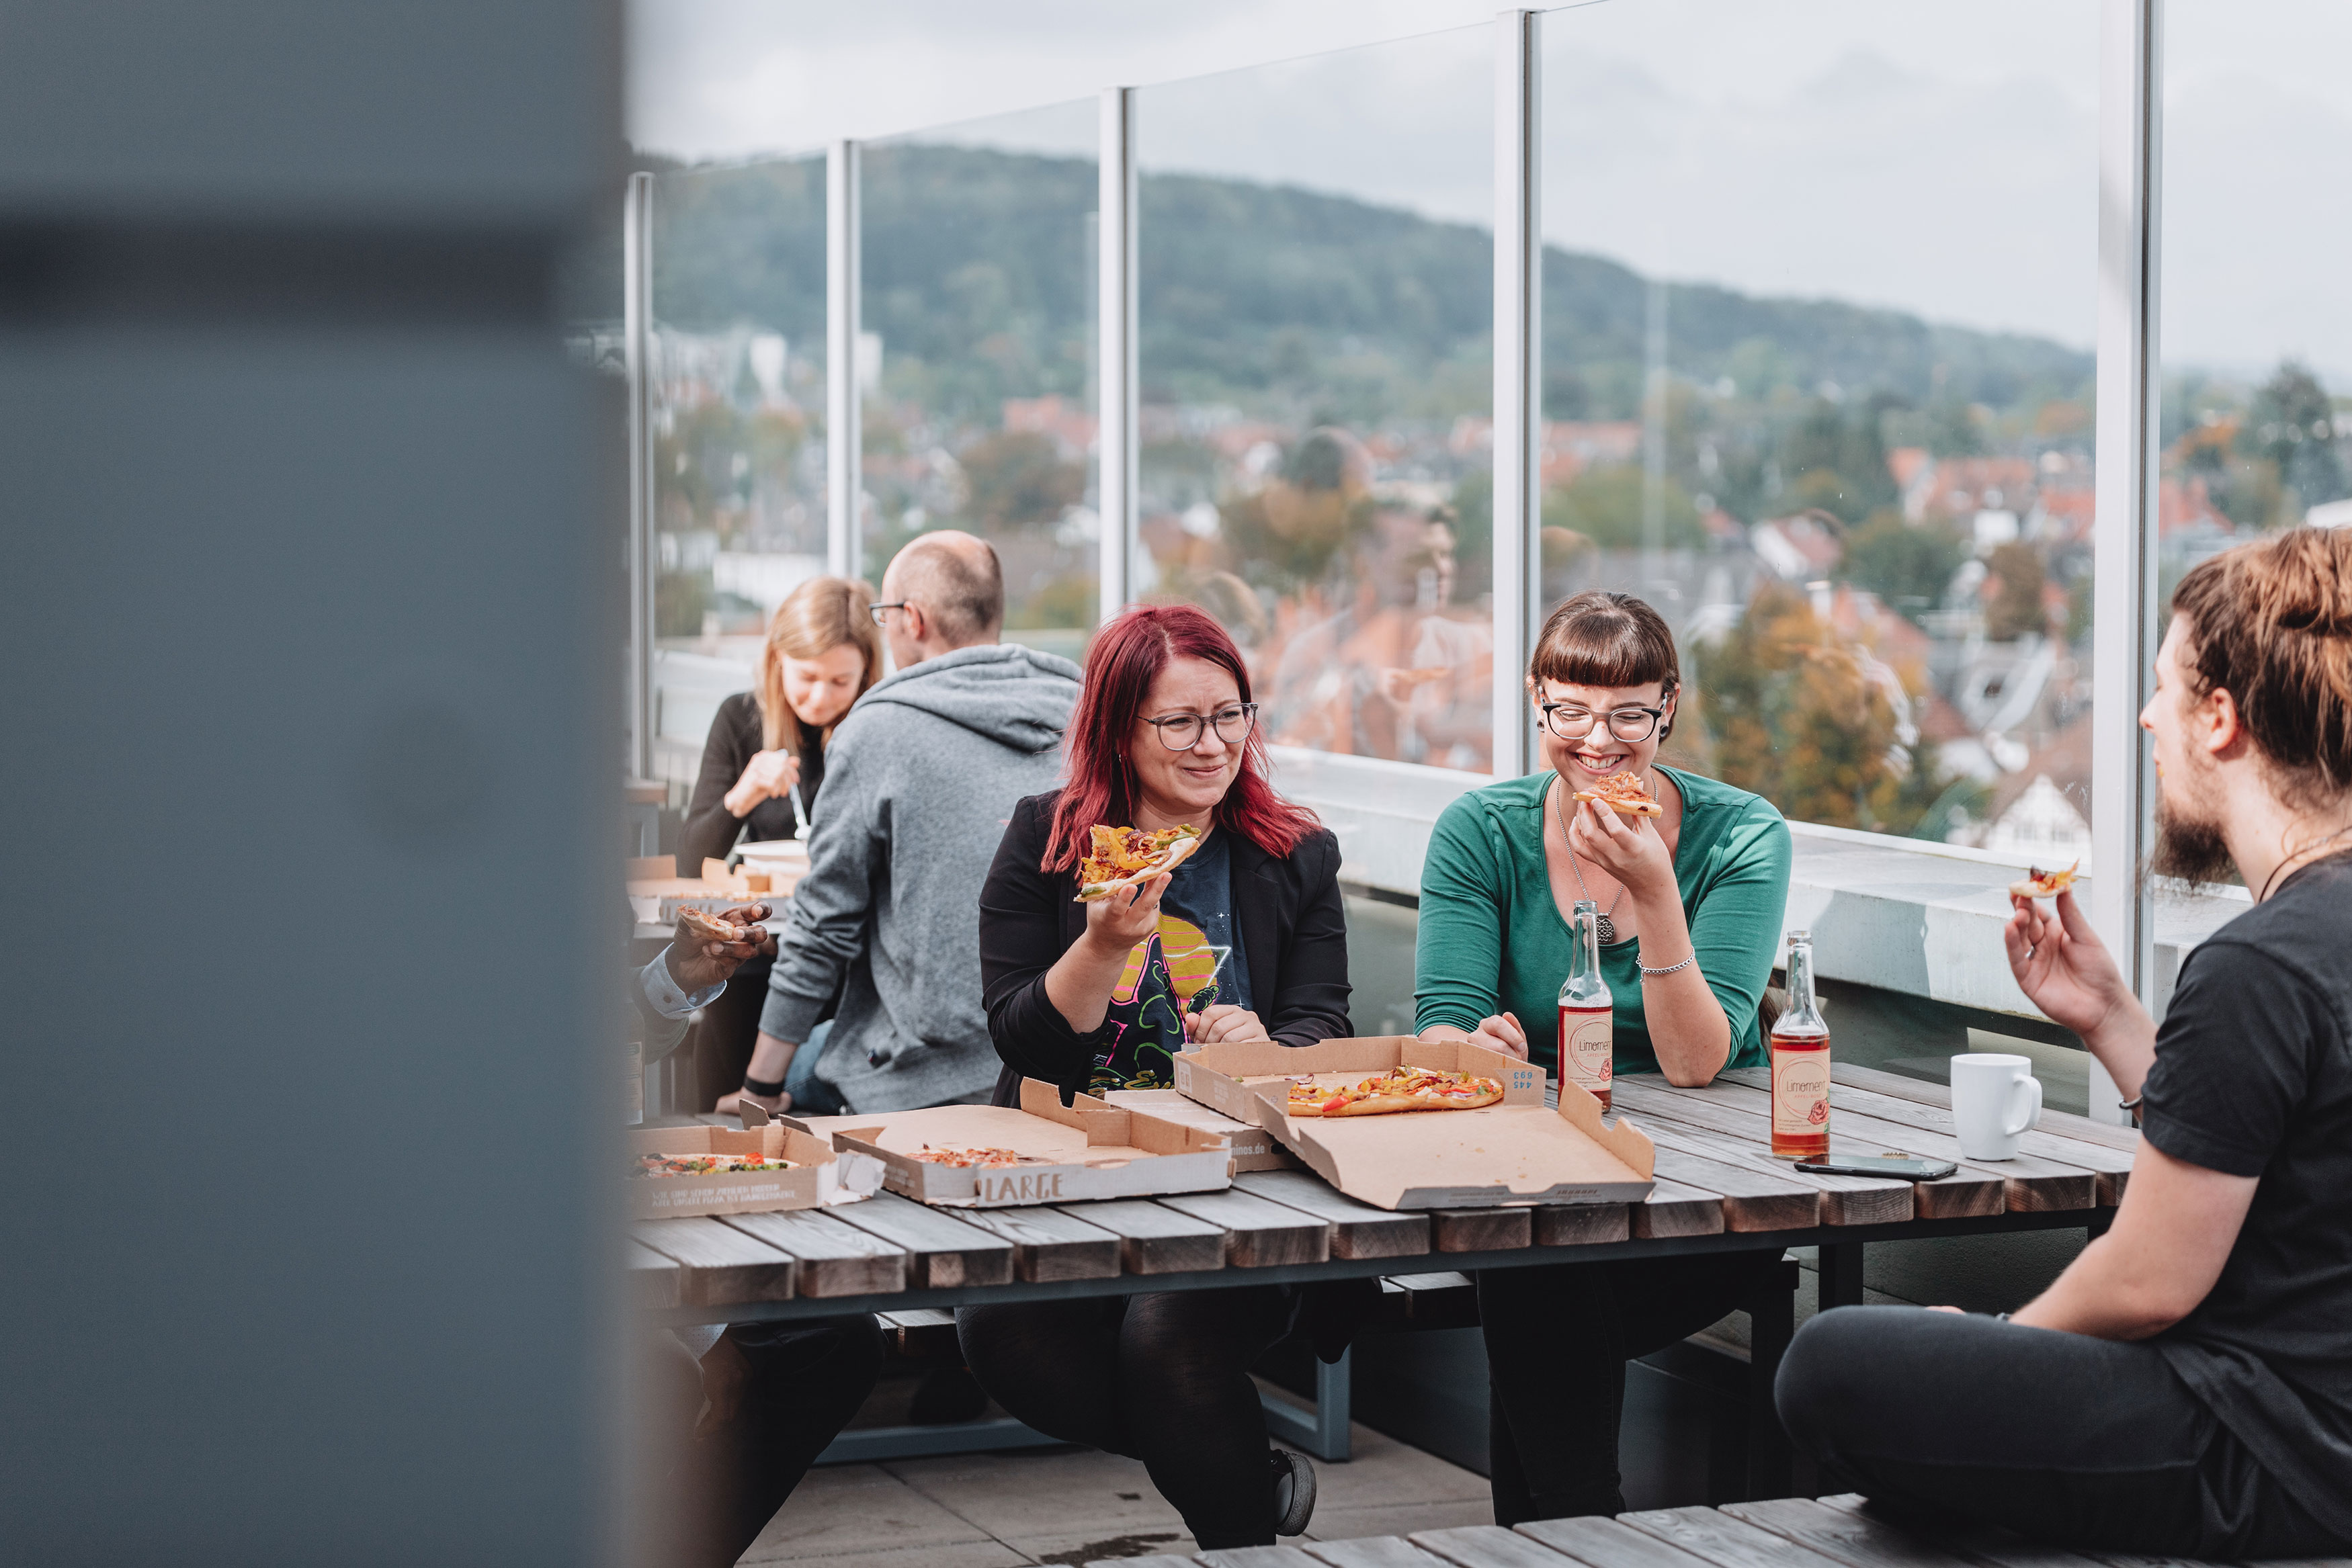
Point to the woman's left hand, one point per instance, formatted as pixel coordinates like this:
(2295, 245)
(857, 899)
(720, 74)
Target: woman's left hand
(1627, 848)
(1223, 1021)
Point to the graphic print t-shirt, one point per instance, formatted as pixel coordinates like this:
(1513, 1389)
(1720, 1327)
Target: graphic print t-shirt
(1193, 962)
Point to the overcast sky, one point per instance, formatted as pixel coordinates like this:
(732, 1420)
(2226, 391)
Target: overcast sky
(1935, 157)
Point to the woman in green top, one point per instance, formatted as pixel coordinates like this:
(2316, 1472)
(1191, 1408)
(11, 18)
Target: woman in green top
(1692, 902)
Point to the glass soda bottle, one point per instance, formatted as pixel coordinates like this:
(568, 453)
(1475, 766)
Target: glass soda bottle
(1801, 1064)
(1586, 1035)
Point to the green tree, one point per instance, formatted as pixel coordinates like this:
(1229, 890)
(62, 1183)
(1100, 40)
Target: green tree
(1908, 566)
(1604, 504)
(1796, 715)
(2291, 427)
(1017, 479)
(1838, 462)
(2016, 607)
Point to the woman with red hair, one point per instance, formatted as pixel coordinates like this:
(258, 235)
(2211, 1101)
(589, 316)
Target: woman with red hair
(1245, 940)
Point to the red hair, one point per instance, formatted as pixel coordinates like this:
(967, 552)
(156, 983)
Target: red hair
(1126, 657)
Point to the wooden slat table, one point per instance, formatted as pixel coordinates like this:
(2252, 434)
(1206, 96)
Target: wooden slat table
(1790, 1533)
(1718, 1190)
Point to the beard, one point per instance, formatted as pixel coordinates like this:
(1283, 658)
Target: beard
(2187, 849)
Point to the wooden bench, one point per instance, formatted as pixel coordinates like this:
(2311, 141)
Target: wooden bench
(1788, 1532)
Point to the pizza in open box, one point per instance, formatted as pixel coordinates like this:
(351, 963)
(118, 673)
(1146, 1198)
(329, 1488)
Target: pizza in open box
(1122, 857)
(1399, 1089)
(706, 1165)
(1623, 794)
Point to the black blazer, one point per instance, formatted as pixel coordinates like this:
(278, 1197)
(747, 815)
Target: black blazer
(1291, 925)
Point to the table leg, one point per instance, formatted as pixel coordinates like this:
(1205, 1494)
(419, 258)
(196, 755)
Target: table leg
(2100, 1219)
(1840, 1276)
(1771, 1320)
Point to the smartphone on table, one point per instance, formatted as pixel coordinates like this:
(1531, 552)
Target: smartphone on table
(1903, 1167)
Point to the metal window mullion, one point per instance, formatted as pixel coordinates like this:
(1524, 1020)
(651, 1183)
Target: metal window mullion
(636, 340)
(2124, 631)
(1116, 448)
(1518, 377)
(844, 443)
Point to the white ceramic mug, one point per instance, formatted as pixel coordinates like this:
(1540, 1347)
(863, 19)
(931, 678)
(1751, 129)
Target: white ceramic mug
(1996, 1101)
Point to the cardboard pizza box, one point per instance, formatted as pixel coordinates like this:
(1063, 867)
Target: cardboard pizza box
(1518, 1151)
(1088, 1149)
(1254, 1148)
(815, 1180)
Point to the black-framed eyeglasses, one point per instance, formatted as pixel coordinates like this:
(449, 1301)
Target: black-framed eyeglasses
(1571, 722)
(1183, 731)
(876, 610)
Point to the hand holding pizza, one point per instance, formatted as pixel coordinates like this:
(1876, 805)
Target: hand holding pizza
(702, 955)
(2061, 965)
(1627, 848)
(1116, 923)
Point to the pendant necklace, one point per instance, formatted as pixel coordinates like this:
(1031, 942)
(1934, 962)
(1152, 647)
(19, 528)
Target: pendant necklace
(1605, 928)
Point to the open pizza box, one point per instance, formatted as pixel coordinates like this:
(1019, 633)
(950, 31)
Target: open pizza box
(1254, 1148)
(657, 892)
(1518, 1151)
(815, 1180)
(1087, 1149)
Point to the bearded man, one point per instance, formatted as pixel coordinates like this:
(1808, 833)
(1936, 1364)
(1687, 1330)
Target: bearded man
(2185, 1387)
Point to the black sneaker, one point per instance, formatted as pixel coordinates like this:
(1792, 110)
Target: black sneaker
(1294, 1492)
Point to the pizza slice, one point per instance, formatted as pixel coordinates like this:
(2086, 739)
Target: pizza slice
(971, 1159)
(706, 1165)
(1400, 1089)
(2040, 883)
(705, 926)
(1123, 857)
(1623, 794)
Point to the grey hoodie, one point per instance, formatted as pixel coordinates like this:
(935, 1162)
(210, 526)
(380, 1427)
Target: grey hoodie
(919, 782)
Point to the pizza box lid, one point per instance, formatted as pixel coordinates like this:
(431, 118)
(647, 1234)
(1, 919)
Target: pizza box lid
(1087, 1149)
(1254, 1148)
(815, 1180)
(1516, 1151)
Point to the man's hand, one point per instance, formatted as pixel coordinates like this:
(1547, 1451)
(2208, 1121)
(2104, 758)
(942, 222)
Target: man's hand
(1222, 1022)
(697, 964)
(2063, 967)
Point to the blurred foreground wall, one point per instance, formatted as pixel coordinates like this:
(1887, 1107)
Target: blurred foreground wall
(305, 768)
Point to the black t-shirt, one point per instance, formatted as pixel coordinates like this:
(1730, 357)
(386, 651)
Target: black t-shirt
(2253, 1078)
(1191, 963)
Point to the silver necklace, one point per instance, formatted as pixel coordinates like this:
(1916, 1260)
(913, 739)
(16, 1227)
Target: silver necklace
(1607, 928)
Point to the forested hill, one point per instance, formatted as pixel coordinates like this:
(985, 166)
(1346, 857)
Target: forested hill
(1248, 288)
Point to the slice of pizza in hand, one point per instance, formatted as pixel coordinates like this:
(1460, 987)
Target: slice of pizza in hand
(1623, 793)
(2040, 883)
(708, 928)
(1125, 857)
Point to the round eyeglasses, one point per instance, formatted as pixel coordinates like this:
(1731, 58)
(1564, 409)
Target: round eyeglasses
(1183, 731)
(1629, 725)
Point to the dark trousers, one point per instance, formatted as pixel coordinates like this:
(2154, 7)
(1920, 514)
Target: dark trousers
(2070, 1440)
(1557, 1338)
(1161, 1378)
(802, 1382)
(730, 1026)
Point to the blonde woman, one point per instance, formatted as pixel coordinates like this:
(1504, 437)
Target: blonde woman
(761, 769)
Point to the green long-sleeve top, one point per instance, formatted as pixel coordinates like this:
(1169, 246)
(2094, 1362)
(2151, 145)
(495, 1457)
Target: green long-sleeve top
(1492, 939)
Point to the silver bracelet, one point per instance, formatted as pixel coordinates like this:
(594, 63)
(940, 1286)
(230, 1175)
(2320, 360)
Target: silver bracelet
(1647, 971)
